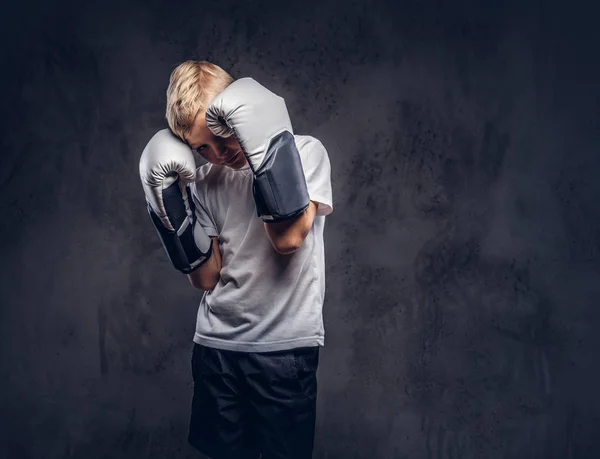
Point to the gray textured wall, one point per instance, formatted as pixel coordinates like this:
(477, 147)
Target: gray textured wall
(463, 252)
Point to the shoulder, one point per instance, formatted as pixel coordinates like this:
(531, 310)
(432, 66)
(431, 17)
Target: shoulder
(211, 173)
(204, 171)
(205, 174)
(311, 149)
(306, 143)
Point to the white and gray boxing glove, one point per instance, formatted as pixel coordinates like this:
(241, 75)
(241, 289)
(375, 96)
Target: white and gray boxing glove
(261, 124)
(167, 166)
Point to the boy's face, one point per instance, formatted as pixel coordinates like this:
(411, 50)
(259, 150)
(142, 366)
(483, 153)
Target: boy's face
(216, 150)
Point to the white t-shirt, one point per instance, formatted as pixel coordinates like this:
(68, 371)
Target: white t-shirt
(264, 301)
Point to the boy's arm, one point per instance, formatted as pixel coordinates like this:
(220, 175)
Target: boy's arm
(167, 171)
(287, 236)
(207, 276)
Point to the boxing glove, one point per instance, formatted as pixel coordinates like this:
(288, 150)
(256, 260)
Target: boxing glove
(261, 124)
(167, 166)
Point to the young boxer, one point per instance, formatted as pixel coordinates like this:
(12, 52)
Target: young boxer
(247, 228)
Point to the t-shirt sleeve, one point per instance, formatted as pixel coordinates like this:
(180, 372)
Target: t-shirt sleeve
(317, 171)
(201, 204)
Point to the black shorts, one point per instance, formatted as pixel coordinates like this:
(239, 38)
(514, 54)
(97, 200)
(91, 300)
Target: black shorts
(249, 404)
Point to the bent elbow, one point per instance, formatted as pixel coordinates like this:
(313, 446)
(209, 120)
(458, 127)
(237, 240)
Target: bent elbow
(207, 286)
(287, 246)
(204, 284)
(286, 250)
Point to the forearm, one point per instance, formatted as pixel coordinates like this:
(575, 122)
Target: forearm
(287, 236)
(207, 276)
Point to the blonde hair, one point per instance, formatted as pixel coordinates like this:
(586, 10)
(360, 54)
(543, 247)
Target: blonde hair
(192, 86)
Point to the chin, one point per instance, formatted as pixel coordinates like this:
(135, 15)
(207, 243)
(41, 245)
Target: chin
(239, 163)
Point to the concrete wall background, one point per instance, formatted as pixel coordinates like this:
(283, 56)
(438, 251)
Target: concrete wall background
(463, 251)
